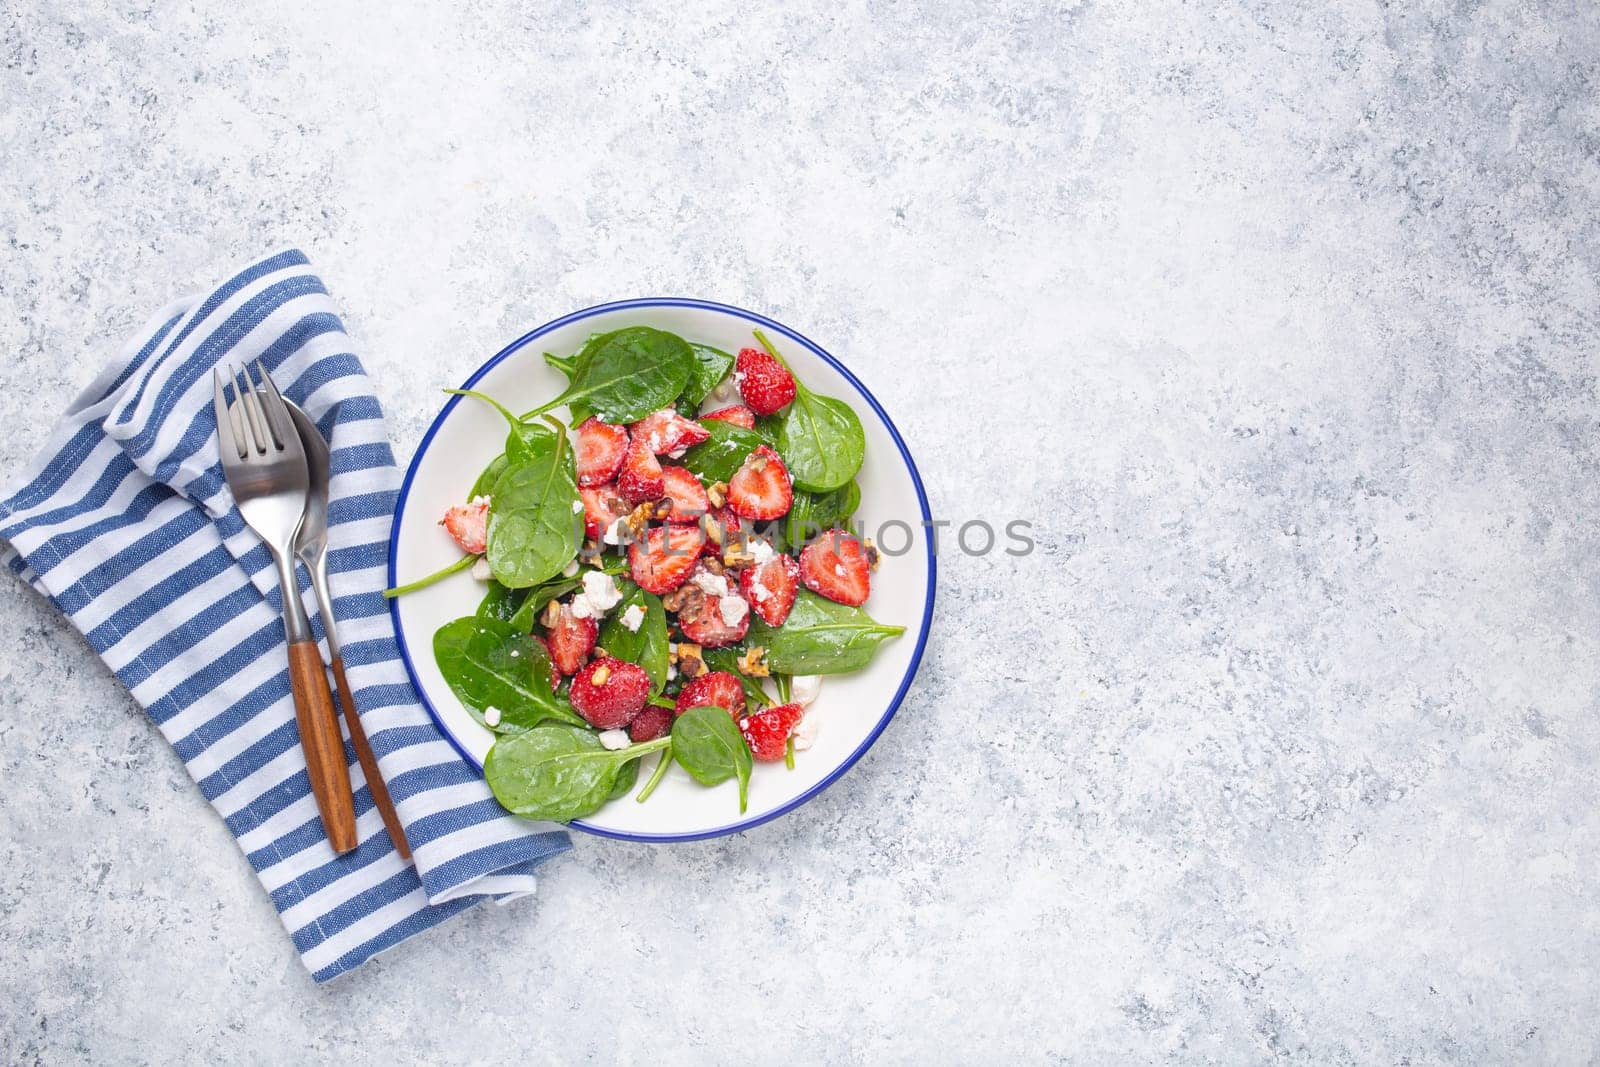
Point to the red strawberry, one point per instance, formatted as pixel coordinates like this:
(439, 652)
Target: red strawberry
(608, 693)
(765, 384)
(767, 732)
(689, 500)
(738, 414)
(760, 489)
(771, 587)
(599, 450)
(668, 431)
(469, 525)
(701, 617)
(834, 566)
(640, 479)
(717, 689)
(649, 724)
(731, 528)
(601, 508)
(571, 640)
(661, 561)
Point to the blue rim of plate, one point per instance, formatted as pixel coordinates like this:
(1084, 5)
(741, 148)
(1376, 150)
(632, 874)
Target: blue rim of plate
(643, 303)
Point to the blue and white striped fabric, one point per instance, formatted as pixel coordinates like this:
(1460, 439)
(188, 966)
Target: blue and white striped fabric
(125, 523)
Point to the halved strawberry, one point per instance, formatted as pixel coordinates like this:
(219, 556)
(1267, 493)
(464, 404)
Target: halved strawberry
(765, 384)
(469, 525)
(738, 414)
(761, 489)
(598, 450)
(835, 566)
(571, 640)
(667, 431)
(661, 562)
(653, 722)
(712, 619)
(767, 732)
(715, 689)
(731, 527)
(688, 496)
(601, 508)
(640, 479)
(608, 693)
(771, 587)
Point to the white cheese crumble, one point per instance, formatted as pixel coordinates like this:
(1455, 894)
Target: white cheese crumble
(614, 739)
(712, 584)
(481, 570)
(616, 533)
(676, 453)
(570, 569)
(600, 594)
(480, 499)
(491, 716)
(759, 591)
(633, 617)
(805, 733)
(733, 609)
(803, 688)
(761, 552)
(577, 507)
(838, 568)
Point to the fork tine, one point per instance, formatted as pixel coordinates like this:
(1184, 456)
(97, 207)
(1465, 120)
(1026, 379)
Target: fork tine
(252, 410)
(226, 438)
(277, 413)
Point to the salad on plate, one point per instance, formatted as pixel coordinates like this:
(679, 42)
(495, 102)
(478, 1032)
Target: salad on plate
(675, 574)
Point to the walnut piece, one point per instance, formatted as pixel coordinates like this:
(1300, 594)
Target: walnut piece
(753, 664)
(551, 615)
(689, 661)
(717, 494)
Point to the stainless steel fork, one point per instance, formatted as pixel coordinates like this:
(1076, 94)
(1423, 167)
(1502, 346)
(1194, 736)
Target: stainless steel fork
(264, 462)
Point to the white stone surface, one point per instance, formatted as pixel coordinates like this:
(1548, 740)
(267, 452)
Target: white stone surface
(1279, 320)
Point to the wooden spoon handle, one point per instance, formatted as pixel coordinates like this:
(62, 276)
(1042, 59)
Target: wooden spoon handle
(323, 747)
(369, 762)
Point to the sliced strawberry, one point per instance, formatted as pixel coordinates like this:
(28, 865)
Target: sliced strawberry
(712, 619)
(761, 489)
(608, 693)
(835, 566)
(771, 587)
(469, 525)
(571, 640)
(765, 384)
(731, 527)
(767, 732)
(662, 561)
(649, 724)
(601, 508)
(599, 449)
(688, 496)
(640, 479)
(715, 689)
(738, 414)
(667, 431)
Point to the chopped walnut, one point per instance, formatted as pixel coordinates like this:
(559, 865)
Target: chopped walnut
(600, 675)
(551, 615)
(685, 598)
(753, 664)
(711, 528)
(713, 564)
(737, 554)
(874, 557)
(688, 660)
(717, 494)
(638, 520)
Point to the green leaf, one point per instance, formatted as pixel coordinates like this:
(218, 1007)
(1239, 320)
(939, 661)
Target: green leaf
(437, 576)
(819, 437)
(500, 603)
(727, 660)
(710, 367)
(813, 513)
(540, 595)
(487, 663)
(646, 646)
(533, 531)
(525, 439)
(484, 486)
(567, 365)
(707, 743)
(820, 637)
(624, 375)
(627, 778)
(557, 772)
(719, 457)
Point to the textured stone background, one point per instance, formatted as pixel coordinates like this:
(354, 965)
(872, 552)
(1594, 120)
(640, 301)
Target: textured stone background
(1279, 319)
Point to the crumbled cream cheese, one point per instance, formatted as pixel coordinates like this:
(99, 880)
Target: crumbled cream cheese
(600, 594)
(577, 507)
(805, 733)
(733, 609)
(491, 716)
(803, 688)
(712, 584)
(617, 532)
(479, 499)
(676, 453)
(633, 617)
(481, 569)
(761, 551)
(613, 740)
(759, 591)
(570, 569)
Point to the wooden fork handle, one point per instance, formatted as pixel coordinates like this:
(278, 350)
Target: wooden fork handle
(369, 762)
(323, 747)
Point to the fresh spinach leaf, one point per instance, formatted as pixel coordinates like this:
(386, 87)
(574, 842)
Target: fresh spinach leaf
(820, 637)
(538, 597)
(627, 778)
(707, 743)
(727, 660)
(813, 513)
(484, 486)
(437, 576)
(711, 365)
(646, 646)
(488, 663)
(500, 603)
(533, 531)
(719, 457)
(624, 375)
(525, 439)
(557, 772)
(567, 365)
(820, 438)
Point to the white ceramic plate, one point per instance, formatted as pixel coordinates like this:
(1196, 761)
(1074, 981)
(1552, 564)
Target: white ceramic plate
(852, 709)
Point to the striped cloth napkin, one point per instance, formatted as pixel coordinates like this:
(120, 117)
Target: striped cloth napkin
(124, 522)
